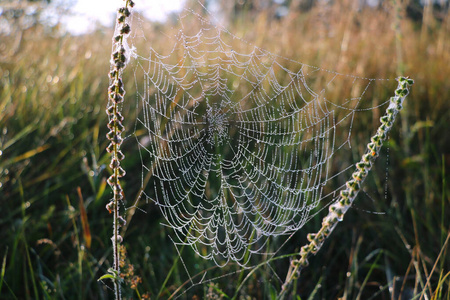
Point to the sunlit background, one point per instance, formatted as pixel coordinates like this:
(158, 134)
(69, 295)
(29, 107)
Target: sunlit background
(82, 16)
(85, 12)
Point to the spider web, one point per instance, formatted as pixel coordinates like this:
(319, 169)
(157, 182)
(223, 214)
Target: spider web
(239, 145)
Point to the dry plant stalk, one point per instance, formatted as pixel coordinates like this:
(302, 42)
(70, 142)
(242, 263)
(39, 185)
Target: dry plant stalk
(116, 94)
(338, 209)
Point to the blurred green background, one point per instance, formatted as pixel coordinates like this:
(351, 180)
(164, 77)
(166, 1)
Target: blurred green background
(54, 228)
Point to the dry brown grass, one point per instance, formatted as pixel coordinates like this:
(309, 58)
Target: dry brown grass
(53, 93)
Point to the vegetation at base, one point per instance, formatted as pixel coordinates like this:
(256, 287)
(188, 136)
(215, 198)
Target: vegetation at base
(55, 230)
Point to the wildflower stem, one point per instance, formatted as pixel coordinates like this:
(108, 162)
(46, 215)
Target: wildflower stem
(343, 202)
(116, 94)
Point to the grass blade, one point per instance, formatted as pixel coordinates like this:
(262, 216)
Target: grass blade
(2, 275)
(84, 221)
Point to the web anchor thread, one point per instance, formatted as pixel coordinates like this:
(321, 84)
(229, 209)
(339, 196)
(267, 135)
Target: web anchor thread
(347, 196)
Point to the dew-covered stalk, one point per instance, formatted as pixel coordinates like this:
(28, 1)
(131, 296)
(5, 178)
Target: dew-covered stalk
(116, 94)
(338, 209)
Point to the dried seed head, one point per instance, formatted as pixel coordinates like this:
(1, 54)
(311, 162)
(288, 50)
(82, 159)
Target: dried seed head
(352, 194)
(112, 124)
(347, 201)
(116, 139)
(118, 82)
(110, 135)
(344, 194)
(122, 221)
(121, 172)
(357, 176)
(295, 263)
(304, 251)
(120, 155)
(340, 216)
(113, 74)
(110, 206)
(371, 147)
(110, 148)
(311, 237)
(361, 166)
(119, 239)
(125, 29)
(116, 98)
(119, 117)
(114, 163)
(119, 127)
(119, 64)
(110, 110)
(124, 11)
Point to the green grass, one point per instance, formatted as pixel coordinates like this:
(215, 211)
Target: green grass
(53, 94)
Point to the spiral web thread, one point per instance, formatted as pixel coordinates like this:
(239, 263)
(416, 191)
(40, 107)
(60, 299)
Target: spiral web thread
(238, 144)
